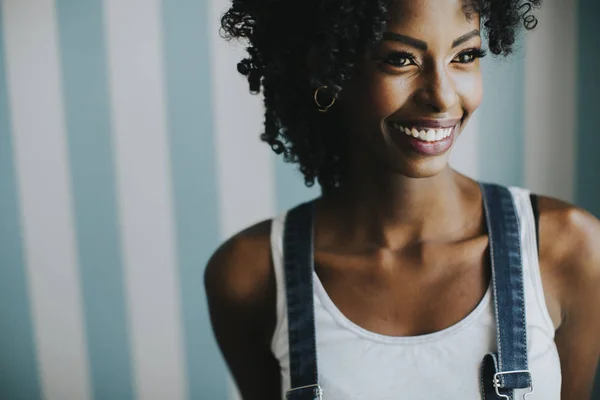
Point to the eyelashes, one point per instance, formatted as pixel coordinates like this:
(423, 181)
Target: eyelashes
(402, 59)
(470, 55)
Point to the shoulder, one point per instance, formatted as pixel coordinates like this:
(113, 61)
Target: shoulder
(239, 276)
(570, 248)
(570, 260)
(241, 292)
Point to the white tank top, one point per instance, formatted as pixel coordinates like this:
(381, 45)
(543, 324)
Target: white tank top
(357, 364)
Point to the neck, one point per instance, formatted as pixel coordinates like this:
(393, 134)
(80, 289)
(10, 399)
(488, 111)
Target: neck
(394, 211)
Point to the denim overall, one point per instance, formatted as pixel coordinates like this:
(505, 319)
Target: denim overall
(501, 372)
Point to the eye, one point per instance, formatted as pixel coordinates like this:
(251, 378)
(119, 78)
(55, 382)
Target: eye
(399, 59)
(469, 56)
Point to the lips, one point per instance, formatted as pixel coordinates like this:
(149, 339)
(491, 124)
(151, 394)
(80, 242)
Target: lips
(427, 137)
(425, 134)
(427, 123)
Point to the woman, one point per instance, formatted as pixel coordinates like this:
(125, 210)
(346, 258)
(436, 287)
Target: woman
(426, 284)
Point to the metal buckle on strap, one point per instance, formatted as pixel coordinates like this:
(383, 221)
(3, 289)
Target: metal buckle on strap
(316, 386)
(497, 382)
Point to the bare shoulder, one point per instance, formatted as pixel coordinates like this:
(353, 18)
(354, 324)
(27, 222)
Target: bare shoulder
(570, 266)
(240, 271)
(570, 243)
(241, 292)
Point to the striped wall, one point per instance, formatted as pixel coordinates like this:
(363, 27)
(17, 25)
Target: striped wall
(588, 102)
(129, 150)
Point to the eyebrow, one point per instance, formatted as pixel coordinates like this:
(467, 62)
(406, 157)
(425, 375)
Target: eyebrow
(465, 38)
(421, 45)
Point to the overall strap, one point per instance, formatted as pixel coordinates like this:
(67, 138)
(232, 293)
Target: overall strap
(298, 266)
(506, 370)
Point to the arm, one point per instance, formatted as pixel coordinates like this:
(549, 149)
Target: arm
(570, 238)
(240, 287)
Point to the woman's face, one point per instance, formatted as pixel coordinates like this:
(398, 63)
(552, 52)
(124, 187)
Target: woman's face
(412, 95)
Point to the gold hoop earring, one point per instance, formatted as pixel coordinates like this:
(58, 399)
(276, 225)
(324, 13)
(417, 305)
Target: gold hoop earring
(321, 107)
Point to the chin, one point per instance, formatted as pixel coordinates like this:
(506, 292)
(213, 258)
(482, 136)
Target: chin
(421, 173)
(422, 167)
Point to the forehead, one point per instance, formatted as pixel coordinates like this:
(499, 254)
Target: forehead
(433, 15)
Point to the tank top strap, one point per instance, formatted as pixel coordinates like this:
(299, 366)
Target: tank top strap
(530, 238)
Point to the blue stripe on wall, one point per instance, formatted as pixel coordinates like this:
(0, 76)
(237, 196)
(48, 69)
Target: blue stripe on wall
(93, 180)
(502, 119)
(588, 162)
(18, 362)
(190, 119)
(588, 103)
(289, 186)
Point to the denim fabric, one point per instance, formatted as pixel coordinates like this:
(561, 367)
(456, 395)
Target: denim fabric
(298, 251)
(509, 296)
(306, 393)
(508, 292)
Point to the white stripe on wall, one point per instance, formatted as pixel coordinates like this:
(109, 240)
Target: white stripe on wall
(550, 101)
(137, 93)
(41, 157)
(465, 154)
(245, 166)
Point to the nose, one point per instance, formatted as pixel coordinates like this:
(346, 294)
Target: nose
(438, 92)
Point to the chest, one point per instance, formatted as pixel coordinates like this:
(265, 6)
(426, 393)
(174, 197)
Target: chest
(413, 292)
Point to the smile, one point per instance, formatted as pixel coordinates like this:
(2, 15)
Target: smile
(424, 134)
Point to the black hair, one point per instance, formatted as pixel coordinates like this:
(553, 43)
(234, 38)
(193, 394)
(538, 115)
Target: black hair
(294, 47)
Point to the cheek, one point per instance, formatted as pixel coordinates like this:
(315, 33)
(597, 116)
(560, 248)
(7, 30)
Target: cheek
(390, 96)
(381, 96)
(470, 91)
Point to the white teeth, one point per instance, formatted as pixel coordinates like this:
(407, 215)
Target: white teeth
(428, 135)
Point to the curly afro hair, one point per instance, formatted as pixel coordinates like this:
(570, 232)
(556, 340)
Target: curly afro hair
(333, 34)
